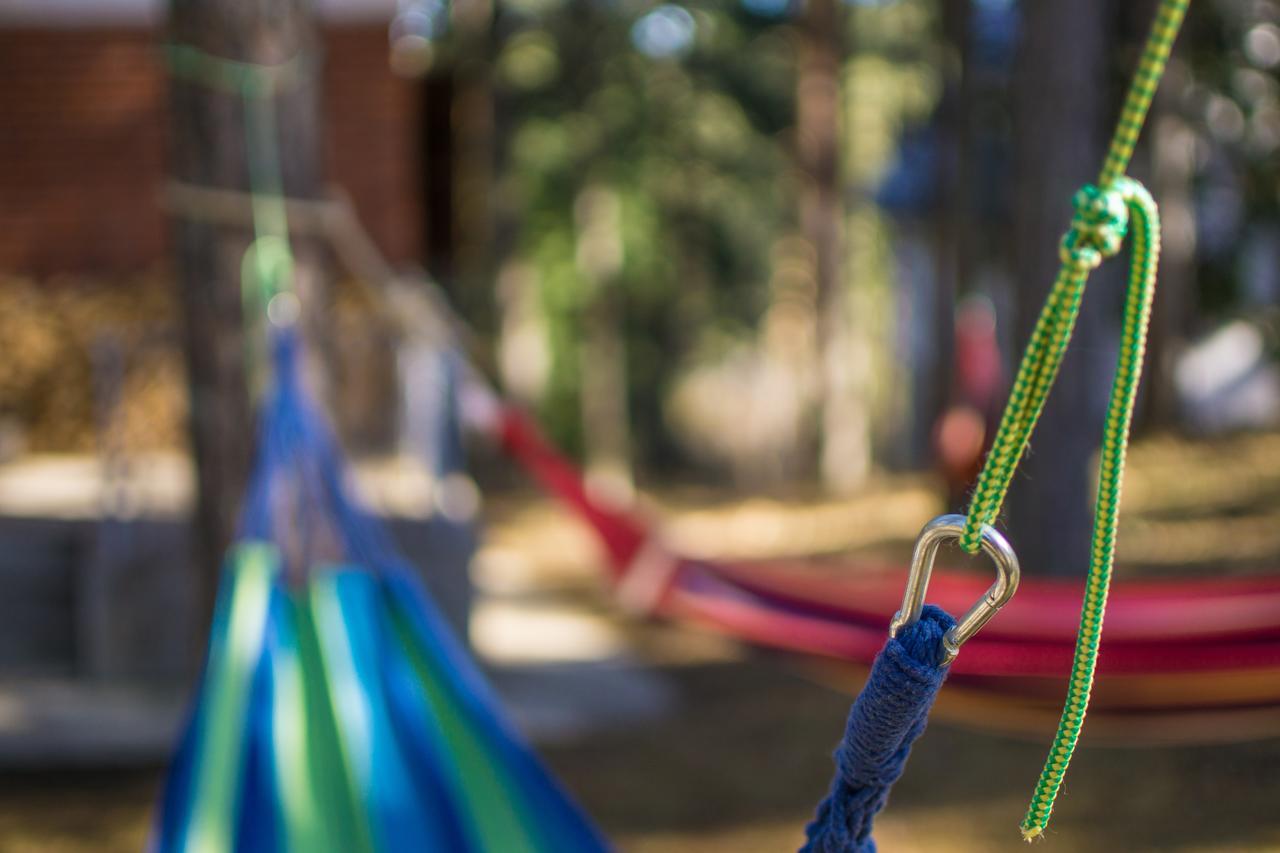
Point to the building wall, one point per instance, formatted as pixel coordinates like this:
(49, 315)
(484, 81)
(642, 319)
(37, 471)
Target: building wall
(373, 146)
(83, 136)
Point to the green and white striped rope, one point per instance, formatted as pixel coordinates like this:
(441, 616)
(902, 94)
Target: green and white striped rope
(1104, 214)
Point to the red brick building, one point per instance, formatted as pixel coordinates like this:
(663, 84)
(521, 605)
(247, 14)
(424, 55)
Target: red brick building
(83, 133)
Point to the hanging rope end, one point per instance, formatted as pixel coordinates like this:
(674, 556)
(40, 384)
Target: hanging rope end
(1035, 822)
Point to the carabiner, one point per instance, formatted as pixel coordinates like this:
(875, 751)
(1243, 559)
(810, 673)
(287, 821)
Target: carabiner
(942, 529)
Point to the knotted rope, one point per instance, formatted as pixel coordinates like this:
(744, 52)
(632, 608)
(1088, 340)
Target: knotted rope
(1097, 230)
(891, 711)
(1105, 214)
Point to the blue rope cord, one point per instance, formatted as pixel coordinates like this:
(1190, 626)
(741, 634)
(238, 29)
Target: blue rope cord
(886, 718)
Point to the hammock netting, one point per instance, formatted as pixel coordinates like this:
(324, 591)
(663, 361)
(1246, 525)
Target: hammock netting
(336, 710)
(1184, 660)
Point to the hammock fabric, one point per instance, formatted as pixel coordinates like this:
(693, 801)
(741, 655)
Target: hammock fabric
(886, 719)
(1184, 659)
(336, 711)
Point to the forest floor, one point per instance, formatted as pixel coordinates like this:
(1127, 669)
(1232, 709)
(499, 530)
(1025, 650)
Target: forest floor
(737, 752)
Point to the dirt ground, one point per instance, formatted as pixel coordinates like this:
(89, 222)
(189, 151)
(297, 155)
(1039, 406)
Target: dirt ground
(742, 756)
(745, 762)
(742, 764)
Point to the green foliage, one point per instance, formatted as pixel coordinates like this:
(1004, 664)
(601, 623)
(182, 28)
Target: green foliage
(693, 148)
(1227, 94)
(682, 116)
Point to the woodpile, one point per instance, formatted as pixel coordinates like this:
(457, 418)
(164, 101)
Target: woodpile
(89, 365)
(94, 366)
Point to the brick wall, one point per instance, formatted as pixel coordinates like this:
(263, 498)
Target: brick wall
(83, 139)
(372, 144)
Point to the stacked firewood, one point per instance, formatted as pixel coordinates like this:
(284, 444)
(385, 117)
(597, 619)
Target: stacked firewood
(97, 366)
(89, 365)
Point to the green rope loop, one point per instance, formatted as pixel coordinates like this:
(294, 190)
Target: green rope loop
(1105, 213)
(1144, 257)
(248, 79)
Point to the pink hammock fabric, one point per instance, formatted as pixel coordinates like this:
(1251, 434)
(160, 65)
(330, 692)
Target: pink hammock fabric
(1174, 645)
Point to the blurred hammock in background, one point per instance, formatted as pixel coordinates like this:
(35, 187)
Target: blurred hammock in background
(336, 710)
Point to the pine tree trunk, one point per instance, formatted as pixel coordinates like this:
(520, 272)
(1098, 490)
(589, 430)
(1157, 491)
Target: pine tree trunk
(844, 439)
(953, 225)
(1172, 146)
(473, 164)
(1061, 107)
(606, 423)
(209, 150)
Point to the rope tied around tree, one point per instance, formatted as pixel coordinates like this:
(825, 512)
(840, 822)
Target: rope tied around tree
(234, 76)
(267, 268)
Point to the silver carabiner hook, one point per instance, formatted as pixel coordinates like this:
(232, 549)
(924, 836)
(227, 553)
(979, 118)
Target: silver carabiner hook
(942, 529)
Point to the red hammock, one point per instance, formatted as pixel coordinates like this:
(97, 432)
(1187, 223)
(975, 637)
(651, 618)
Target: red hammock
(1178, 655)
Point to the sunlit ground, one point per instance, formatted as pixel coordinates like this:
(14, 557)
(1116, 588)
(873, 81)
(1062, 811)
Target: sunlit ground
(728, 749)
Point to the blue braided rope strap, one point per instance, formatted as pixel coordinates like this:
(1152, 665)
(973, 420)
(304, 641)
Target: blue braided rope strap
(886, 718)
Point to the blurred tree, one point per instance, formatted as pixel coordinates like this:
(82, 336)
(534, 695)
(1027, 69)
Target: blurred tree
(954, 208)
(1062, 102)
(1168, 155)
(437, 173)
(209, 150)
(448, 47)
(1214, 170)
(473, 152)
(674, 115)
(605, 419)
(965, 385)
(845, 430)
(890, 85)
(1229, 100)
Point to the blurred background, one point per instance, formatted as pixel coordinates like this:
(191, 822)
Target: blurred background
(763, 266)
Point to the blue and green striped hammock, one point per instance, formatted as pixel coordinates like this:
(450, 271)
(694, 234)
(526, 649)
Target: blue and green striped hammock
(336, 710)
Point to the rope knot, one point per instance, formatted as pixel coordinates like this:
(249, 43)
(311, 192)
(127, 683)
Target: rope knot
(1098, 227)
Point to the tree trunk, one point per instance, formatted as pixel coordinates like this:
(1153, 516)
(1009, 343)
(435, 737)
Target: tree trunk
(473, 164)
(953, 223)
(1172, 175)
(844, 451)
(606, 423)
(438, 175)
(1061, 106)
(209, 150)
(1166, 162)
